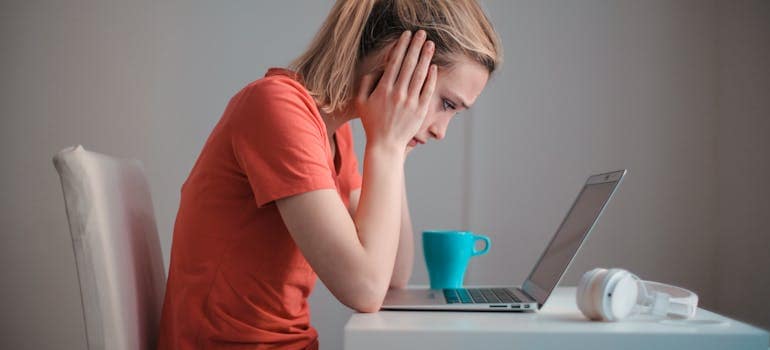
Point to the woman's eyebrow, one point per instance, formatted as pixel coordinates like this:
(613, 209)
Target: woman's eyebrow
(454, 97)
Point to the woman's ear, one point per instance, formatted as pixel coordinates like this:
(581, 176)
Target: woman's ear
(376, 63)
(378, 75)
(388, 51)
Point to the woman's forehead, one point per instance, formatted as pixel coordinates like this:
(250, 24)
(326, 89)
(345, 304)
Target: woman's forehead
(464, 80)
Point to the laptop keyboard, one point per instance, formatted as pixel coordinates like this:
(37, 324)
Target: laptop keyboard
(480, 296)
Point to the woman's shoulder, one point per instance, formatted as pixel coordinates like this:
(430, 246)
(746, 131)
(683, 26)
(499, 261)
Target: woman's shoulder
(278, 97)
(279, 81)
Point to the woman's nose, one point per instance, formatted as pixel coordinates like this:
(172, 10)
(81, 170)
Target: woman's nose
(436, 132)
(438, 128)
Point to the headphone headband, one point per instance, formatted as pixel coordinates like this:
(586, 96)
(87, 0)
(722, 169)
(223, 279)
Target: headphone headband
(678, 301)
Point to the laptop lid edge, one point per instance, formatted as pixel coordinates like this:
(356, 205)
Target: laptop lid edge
(540, 294)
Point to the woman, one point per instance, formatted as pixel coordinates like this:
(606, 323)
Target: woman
(275, 197)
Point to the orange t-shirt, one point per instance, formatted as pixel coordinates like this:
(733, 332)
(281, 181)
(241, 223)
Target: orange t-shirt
(237, 279)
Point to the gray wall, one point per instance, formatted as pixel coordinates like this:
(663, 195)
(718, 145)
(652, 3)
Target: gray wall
(675, 91)
(743, 153)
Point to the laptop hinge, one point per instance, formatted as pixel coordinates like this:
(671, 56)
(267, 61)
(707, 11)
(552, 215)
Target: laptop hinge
(522, 291)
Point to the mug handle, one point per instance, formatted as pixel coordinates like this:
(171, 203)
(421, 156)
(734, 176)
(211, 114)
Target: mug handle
(487, 243)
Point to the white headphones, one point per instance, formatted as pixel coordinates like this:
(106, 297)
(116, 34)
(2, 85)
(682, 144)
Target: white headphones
(614, 294)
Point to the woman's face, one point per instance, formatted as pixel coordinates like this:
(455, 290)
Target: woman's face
(456, 90)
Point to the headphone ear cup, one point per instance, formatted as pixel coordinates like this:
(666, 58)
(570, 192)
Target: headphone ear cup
(586, 294)
(600, 289)
(620, 296)
(580, 296)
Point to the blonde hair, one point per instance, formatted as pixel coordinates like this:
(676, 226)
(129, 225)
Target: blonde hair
(356, 28)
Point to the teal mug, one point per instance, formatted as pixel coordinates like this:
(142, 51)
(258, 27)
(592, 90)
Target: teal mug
(447, 254)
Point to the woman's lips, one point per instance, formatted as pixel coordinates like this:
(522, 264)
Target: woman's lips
(414, 142)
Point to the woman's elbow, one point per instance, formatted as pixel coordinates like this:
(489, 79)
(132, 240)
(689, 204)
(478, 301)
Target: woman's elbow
(368, 297)
(365, 303)
(368, 308)
(372, 300)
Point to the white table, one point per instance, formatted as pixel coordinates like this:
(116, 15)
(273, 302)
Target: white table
(560, 325)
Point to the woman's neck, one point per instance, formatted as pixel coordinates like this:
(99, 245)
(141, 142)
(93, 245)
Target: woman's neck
(334, 121)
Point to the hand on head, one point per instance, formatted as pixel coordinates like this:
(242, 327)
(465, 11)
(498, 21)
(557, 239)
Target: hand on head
(393, 103)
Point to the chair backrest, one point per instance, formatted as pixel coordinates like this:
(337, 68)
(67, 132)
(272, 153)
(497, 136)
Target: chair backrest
(117, 250)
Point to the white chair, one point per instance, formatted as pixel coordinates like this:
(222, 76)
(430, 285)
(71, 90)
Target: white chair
(117, 250)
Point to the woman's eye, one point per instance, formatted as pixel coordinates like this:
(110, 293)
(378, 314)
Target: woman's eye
(447, 104)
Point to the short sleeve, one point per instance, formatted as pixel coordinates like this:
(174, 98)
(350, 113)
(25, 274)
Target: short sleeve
(278, 140)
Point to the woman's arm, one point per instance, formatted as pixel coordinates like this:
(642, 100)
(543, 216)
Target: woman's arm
(356, 258)
(402, 270)
(405, 255)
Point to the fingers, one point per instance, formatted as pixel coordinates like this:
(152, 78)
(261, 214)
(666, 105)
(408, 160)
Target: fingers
(410, 61)
(396, 57)
(429, 86)
(418, 79)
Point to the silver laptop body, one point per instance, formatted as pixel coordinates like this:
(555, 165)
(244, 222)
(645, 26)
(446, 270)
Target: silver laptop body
(545, 275)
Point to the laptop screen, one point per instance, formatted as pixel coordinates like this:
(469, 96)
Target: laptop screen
(570, 235)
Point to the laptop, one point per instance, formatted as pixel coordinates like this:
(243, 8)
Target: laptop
(545, 275)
